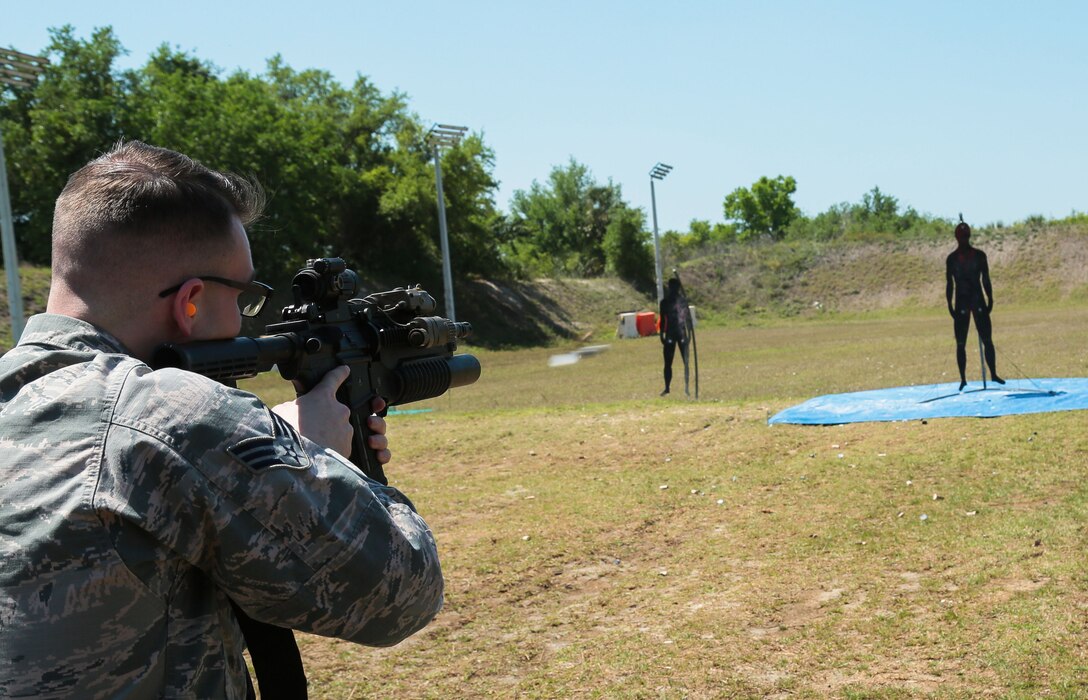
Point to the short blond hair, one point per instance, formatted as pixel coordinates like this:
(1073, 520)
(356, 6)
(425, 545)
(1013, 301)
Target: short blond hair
(137, 198)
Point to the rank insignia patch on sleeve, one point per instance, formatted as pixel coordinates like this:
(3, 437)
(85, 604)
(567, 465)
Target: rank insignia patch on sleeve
(281, 449)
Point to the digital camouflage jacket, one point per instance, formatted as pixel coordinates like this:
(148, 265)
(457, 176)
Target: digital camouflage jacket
(135, 504)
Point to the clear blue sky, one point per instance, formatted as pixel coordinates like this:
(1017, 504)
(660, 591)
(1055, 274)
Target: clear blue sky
(979, 107)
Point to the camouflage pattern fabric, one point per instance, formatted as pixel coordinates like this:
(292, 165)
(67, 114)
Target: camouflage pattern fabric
(134, 504)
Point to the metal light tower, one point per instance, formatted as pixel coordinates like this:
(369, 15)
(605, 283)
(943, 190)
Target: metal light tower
(444, 135)
(658, 172)
(17, 70)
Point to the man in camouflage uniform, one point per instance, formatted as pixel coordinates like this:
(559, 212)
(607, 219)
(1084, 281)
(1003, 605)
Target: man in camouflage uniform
(138, 506)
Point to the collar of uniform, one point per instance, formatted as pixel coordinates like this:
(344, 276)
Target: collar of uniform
(55, 330)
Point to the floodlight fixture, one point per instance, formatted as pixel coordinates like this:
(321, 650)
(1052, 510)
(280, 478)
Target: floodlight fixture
(448, 136)
(17, 71)
(658, 172)
(445, 135)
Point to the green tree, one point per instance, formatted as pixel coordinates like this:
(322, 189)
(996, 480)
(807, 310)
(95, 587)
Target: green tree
(765, 209)
(409, 209)
(701, 238)
(75, 111)
(389, 220)
(702, 233)
(878, 212)
(284, 130)
(876, 216)
(628, 249)
(346, 170)
(833, 223)
(468, 185)
(563, 223)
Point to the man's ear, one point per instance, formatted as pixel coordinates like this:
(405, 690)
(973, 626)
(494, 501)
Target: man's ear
(186, 306)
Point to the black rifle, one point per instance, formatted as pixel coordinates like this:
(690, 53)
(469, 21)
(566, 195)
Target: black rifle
(394, 345)
(396, 349)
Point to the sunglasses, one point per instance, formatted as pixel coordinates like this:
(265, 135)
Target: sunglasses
(251, 300)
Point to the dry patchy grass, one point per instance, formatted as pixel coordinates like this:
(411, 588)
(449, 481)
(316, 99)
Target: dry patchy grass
(600, 542)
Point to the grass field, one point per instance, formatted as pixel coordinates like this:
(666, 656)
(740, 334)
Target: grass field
(601, 542)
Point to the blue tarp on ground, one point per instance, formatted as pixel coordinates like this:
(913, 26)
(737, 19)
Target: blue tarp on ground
(941, 401)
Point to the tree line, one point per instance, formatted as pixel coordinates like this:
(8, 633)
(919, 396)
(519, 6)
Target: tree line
(348, 172)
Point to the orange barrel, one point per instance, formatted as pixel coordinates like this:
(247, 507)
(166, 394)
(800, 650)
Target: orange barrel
(646, 322)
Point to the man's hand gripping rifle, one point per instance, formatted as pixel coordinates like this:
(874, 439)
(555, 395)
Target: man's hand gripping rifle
(396, 348)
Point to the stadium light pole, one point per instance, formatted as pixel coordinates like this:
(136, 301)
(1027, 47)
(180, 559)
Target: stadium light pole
(658, 172)
(17, 71)
(449, 136)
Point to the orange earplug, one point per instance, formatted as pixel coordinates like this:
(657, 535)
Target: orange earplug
(190, 309)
